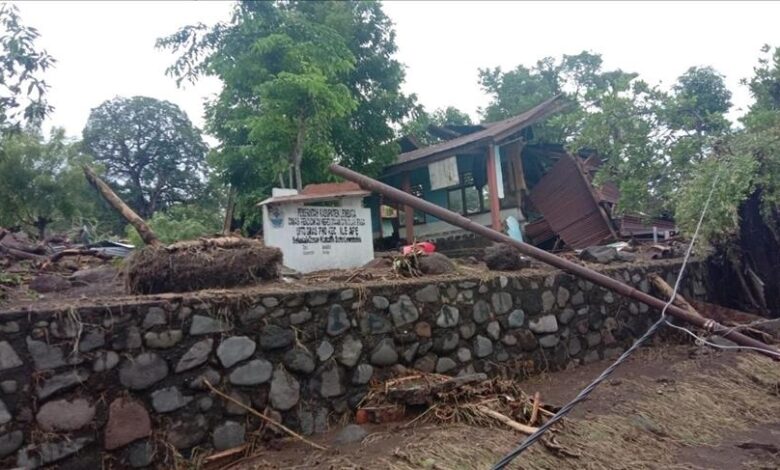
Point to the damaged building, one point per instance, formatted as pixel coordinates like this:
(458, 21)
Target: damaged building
(496, 175)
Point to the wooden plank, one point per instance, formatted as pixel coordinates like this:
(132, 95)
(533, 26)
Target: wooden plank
(406, 185)
(495, 208)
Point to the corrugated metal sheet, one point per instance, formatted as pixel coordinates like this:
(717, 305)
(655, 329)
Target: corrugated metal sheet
(320, 192)
(493, 131)
(568, 203)
(538, 231)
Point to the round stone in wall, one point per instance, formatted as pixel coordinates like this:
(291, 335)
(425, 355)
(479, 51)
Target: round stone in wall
(285, 390)
(234, 350)
(228, 435)
(143, 371)
(252, 373)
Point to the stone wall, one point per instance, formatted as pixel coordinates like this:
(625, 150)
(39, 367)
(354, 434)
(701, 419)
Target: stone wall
(106, 385)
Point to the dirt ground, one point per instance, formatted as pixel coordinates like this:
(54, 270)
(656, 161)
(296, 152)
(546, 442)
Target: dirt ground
(668, 407)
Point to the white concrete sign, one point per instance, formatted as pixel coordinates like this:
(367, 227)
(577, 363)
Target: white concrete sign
(313, 238)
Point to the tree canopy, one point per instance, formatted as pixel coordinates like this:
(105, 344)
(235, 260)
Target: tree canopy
(304, 84)
(152, 154)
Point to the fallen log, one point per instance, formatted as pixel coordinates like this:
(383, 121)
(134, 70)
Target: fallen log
(506, 420)
(78, 252)
(668, 291)
(20, 254)
(147, 235)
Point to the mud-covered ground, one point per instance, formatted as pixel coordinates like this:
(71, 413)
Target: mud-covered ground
(669, 407)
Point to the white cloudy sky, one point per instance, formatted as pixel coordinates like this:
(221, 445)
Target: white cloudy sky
(105, 49)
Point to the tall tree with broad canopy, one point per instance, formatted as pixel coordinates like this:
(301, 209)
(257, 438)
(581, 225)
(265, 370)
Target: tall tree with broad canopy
(417, 126)
(304, 84)
(152, 154)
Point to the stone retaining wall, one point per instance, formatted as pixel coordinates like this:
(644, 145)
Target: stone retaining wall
(106, 386)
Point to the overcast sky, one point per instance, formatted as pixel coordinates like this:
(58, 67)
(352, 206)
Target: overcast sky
(106, 49)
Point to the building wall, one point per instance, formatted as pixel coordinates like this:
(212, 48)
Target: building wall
(123, 382)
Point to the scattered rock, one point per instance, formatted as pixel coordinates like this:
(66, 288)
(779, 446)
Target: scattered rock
(202, 325)
(65, 415)
(128, 421)
(299, 360)
(504, 257)
(254, 372)
(384, 354)
(169, 399)
(435, 263)
(544, 324)
(338, 322)
(196, 355)
(285, 390)
(228, 435)
(599, 254)
(448, 316)
(234, 350)
(350, 434)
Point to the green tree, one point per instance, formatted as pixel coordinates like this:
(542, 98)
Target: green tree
(22, 90)
(41, 183)
(421, 120)
(152, 154)
(179, 222)
(305, 84)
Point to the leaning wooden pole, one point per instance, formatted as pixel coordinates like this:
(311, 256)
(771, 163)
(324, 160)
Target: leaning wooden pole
(595, 277)
(146, 233)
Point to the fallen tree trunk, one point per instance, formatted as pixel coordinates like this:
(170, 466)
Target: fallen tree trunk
(147, 235)
(668, 291)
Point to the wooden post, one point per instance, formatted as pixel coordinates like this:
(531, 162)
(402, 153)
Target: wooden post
(406, 185)
(495, 208)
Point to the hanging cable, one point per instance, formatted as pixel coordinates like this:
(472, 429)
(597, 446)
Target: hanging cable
(530, 440)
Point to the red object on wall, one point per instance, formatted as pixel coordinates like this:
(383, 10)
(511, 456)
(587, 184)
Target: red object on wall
(425, 247)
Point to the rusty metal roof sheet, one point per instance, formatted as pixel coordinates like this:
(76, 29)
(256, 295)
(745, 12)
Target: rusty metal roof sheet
(569, 204)
(493, 132)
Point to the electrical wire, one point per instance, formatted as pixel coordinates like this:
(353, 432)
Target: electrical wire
(530, 440)
(719, 346)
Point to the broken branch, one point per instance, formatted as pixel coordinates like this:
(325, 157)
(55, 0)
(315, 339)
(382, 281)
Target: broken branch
(506, 420)
(147, 235)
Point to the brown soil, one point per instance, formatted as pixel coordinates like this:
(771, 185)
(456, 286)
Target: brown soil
(669, 407)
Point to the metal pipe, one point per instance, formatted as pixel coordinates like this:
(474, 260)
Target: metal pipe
(595, 277)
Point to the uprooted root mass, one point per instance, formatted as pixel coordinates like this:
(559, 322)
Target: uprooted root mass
(201, 264)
